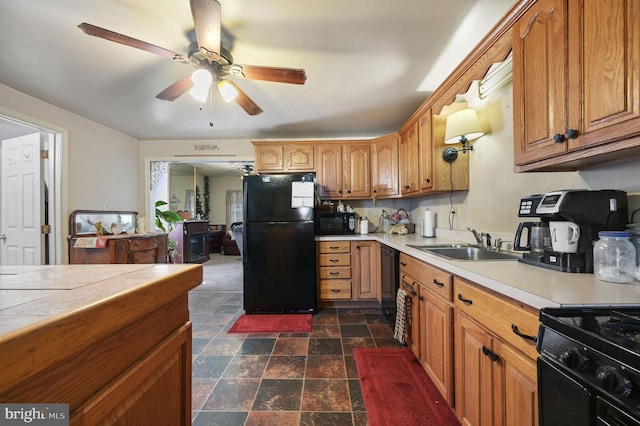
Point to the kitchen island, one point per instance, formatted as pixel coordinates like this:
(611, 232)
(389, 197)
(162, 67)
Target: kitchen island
(112, 341)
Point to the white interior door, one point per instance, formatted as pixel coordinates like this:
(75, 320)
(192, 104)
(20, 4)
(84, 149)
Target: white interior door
(22, 201)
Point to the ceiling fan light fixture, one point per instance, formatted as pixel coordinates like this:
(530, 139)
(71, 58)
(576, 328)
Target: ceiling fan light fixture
(227, 90)
(202, 80)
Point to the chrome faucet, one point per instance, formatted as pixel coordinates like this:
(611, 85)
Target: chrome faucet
(476, 235)
(487, 239)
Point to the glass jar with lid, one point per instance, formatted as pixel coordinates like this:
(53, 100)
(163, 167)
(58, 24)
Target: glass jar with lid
(614, 257)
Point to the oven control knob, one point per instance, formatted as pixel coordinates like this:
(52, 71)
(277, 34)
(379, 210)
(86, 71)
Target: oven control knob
(573, 359)
(613, 381)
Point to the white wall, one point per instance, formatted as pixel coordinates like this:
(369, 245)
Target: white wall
(99, 164)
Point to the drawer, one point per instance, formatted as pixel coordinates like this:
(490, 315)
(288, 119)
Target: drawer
(335, 289)
(336, 272)
(334, 247)
(144, 256)
(338, 259)
(136, 244)
(503, 316)
(431, 278)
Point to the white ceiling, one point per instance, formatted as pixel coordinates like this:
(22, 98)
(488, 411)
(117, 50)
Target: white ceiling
(369, 63)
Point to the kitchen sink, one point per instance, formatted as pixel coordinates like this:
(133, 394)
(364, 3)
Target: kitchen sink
(465, 252)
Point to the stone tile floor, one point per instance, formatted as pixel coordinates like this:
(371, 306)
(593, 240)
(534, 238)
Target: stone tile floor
(279, 378)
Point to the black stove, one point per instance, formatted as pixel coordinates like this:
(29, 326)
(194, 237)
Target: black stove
(589, 369)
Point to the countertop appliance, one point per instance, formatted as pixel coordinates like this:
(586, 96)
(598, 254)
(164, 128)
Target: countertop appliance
(592, 211)
(589, 368)
(279, 250)
(335, 223)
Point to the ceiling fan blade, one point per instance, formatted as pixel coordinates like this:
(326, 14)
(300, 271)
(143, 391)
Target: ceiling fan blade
(245, 101)
(206, 18)
(279, 75)
(177, 89)
(92, 30)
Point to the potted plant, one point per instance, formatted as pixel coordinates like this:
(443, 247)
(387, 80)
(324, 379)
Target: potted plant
(164, 221)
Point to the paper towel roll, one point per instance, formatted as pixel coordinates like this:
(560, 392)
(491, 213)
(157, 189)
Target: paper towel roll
(429, 224)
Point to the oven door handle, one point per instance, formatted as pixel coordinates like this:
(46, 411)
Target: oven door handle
(524, 336)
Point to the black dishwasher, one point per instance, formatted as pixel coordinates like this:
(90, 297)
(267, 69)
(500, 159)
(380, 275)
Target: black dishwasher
(389, 261)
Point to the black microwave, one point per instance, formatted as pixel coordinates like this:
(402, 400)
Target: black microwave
(330, 223)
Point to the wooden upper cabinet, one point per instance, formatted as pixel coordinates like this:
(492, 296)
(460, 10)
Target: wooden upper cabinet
(409, 153)
(299, 157)
(284, 157)
(269, 158)
(576, 69)
(343, 170)
(357, 170)
(425, 157)
(329, 170)
(384, 166)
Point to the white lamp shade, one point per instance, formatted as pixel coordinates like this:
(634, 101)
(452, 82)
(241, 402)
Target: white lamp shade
(202, 80)
(227, 90)
(462, 123)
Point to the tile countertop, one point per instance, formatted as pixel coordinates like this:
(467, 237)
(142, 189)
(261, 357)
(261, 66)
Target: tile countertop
(31, 296)
(532, 285)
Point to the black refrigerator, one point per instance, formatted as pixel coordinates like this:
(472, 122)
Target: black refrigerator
(279, 253)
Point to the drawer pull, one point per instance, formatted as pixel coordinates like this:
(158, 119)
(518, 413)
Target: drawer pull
(334, 260)
(334, 247)
(438, 283)
(524, 336)
(488, 352)
(403, 264)
(465, 301)
(334, 273)
(335, 290)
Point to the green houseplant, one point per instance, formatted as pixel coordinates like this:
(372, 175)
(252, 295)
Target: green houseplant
(164, 221)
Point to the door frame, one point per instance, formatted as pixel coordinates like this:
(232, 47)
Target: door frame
(52, 174)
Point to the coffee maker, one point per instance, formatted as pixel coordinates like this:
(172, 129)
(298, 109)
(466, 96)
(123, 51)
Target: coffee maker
(589, 212)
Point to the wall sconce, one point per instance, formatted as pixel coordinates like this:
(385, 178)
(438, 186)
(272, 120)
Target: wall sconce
(462, 127)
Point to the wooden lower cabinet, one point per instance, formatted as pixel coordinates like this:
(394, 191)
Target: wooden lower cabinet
(365, 269)
(496, 381)
(334, 270)
(436, 340)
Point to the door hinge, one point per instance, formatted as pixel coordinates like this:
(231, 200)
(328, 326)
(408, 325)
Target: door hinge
(45, 229)
(44, 154)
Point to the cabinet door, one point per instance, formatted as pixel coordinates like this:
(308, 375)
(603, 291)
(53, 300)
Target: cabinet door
(540, 65)
(298, 158)
(436, 341)
(409, 152)
(366, 264)
(412, 327)
(385, 163)
(269, 158)
(474, 373)
(329, 170)
(356, 181)
(518, 386)
(425, 157)
(606, 106)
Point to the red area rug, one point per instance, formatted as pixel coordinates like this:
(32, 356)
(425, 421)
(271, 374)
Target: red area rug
(272, 323)
(397, 390)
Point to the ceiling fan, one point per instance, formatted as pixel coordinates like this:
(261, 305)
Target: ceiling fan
(213, 62)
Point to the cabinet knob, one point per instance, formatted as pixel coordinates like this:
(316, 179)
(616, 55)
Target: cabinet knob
(571, 134)
(558, 138)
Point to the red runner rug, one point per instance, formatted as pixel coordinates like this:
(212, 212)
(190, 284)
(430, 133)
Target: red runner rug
(397, 390)
(272, 323)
